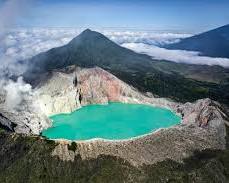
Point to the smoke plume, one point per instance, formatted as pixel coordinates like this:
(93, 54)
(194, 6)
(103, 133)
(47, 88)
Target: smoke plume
(10, 12)
(15, 92)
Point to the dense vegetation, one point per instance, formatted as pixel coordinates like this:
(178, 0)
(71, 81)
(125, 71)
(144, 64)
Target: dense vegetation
(176, 87)
(28, 159)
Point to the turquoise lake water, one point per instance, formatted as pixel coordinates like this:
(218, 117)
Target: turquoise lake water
(114, 121)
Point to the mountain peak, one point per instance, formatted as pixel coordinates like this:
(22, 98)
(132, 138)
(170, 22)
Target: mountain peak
(87, 31)
(88, 49)
(89, 36)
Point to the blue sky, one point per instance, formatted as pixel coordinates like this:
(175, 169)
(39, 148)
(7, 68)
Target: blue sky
(188, 15)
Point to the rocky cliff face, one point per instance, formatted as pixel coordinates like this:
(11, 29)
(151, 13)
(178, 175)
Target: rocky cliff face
(68, 89)
(58, 94)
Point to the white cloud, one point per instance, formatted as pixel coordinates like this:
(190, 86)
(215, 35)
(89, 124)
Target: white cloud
(179, 56)
(147, 37)
(14, 91)
(21, 44)
(10, 11)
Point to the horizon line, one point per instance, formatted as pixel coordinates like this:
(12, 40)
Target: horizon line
(121, 28)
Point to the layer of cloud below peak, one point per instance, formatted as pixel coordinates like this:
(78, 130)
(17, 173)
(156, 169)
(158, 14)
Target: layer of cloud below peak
(179, 56)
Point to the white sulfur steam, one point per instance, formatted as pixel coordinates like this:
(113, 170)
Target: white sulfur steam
(15, 92)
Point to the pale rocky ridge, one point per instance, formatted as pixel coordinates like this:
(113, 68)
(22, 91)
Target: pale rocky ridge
(60, 93)
(63, 91)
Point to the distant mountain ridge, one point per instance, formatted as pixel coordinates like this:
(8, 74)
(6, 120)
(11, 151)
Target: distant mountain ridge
(213, 43)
